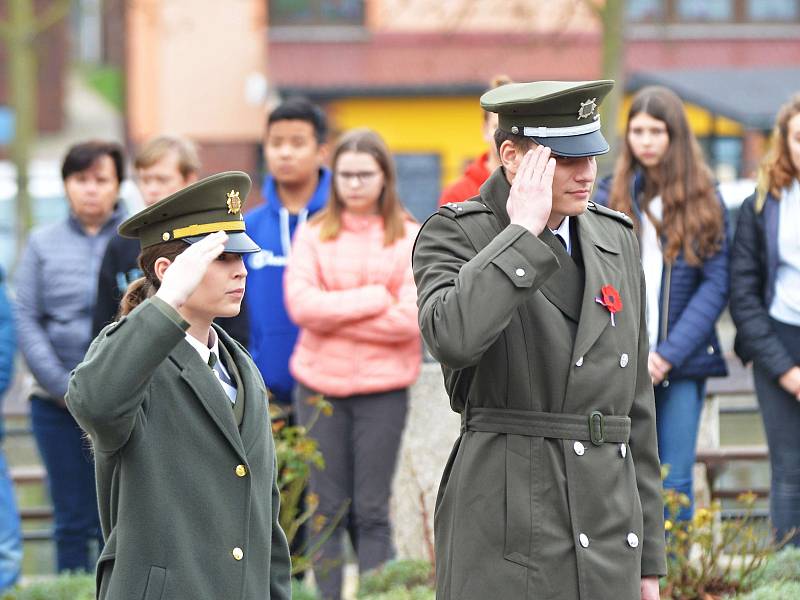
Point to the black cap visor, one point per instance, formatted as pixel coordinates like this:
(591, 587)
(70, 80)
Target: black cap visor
(238, 242)
(587, 144)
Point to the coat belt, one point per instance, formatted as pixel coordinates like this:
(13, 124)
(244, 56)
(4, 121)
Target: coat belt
(595, 427)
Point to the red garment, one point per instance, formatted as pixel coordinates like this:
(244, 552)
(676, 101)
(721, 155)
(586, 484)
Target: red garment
(470, 183)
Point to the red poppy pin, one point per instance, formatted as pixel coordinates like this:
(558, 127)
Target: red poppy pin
(610, 298)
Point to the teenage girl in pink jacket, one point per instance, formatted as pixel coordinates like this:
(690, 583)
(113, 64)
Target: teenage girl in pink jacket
(350, 289)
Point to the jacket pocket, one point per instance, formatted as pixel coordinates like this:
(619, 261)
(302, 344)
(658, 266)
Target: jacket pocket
(518, 501)
(156, 581)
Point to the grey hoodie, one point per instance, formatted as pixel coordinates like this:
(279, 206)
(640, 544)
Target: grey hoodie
(56, 284)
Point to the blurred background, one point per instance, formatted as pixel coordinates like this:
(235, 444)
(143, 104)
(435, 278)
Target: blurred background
(413, 70)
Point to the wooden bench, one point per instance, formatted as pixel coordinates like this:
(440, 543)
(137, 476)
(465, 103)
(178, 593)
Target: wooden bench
(717, 461)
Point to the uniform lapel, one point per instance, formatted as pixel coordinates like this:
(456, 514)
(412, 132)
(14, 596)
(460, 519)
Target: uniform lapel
(256, 413)
(565, 287)
(600, 255)
(201, 379)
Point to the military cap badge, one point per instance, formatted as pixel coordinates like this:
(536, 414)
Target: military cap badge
(234, 202)
(587, 108)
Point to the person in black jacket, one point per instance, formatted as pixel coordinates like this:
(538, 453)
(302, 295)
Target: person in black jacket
(163, 166)
(765, 305)
(663, 184)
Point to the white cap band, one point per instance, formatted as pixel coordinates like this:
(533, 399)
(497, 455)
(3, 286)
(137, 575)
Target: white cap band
(547, 132)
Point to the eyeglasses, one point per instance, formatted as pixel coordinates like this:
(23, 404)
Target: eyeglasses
(361, 177)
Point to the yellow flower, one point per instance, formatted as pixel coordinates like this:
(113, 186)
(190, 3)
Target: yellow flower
(668, 525)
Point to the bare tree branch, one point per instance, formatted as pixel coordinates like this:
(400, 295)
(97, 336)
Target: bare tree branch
(52, 15)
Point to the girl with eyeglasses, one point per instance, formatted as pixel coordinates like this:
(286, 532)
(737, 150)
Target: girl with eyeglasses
(350, 289)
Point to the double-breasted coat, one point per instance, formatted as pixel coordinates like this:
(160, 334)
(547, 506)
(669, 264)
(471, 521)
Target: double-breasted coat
(188, 499)
(541, 499)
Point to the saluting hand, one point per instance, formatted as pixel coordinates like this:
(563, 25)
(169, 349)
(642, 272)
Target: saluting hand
(531, 198)
(185, 273)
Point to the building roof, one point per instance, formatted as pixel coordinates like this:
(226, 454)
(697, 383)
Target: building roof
(748, 95)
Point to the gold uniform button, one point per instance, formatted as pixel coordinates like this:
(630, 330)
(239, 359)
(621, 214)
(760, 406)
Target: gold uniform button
(238, 554)
(241, 470)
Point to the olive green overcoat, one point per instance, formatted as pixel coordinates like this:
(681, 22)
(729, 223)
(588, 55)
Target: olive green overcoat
(188, 500)
(529, 509)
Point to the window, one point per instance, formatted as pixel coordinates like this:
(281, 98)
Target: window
(313, 13)
(418, 183)
(707, 10)
(772, 10)
(644, 11)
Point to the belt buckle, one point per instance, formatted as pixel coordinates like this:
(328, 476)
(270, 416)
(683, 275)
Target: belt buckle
(597, 428)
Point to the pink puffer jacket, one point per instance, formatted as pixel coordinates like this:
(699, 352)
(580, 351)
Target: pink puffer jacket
(355, 302)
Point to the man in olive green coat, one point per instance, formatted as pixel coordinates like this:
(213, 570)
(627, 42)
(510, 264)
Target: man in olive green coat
(534, 305)
(178, 417)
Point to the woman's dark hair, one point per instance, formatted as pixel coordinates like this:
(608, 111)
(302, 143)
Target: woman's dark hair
(389, 205)
(692, 219)
(777, 170)
(301, 109)
(82, 156)
(144, 287)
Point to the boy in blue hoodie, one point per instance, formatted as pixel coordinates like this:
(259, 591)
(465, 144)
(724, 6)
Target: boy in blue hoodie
(297, 186)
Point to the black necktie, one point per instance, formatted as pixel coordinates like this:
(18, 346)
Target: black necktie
(561, 239)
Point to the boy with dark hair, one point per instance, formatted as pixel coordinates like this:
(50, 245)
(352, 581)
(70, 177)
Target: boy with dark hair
(296, 186)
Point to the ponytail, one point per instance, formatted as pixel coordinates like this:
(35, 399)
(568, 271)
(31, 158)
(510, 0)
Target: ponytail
(138, 291)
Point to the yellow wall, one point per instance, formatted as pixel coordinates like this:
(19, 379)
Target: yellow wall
(449, 126)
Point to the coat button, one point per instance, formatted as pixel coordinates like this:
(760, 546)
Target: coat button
(579, 363)
(241, 470)
(623, 450)
(579, 449)
(520, 272)
(584, 540)
(633, 540)
(238, 554)
(710, 349)
(623, 360)
(665, 383)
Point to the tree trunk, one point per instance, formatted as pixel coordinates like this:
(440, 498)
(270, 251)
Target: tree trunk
(23, 96)
(612, 17)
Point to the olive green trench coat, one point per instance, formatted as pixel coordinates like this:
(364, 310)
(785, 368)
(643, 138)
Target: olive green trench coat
(531, 505)
(188, 500)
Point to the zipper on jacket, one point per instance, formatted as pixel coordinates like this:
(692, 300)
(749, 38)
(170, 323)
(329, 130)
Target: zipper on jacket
(665, 311)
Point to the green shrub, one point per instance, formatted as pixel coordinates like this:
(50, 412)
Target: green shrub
(783, 590)
(301, 592)
(395, 577)
(782, 566)
(63, 587)
(421, 592)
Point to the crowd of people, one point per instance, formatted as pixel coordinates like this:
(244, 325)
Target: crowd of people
(331, 309)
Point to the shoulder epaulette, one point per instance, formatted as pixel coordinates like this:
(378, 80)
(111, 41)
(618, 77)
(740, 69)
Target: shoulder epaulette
(614, 214)
(459, 209)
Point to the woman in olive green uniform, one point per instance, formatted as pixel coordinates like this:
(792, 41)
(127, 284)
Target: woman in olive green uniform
(177, 413)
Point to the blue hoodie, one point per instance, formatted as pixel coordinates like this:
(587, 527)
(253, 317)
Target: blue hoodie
(272, 333)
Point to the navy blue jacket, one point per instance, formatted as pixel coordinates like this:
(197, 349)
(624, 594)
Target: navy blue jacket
(272, 333)
(754, 265)
(697, 295)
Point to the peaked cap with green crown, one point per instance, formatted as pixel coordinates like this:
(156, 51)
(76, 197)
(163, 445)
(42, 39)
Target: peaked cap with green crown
(204, 207)
(563, 115)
